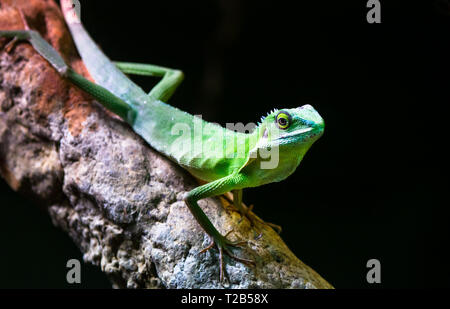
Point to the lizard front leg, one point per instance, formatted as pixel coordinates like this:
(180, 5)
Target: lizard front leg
(215, 188)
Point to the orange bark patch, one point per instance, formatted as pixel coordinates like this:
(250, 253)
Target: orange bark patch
(10, 19)
(45, 17)
(76, 110)
(9, 177)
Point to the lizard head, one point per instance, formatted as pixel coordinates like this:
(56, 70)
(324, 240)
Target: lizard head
(284, 136)
(292, 128)
(280, 141)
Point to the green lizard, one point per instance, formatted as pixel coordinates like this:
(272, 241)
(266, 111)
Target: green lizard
(225, 159)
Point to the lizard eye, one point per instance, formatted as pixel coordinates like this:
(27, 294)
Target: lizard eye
(283, 120)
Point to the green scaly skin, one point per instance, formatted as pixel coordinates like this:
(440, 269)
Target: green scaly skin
(238, 164)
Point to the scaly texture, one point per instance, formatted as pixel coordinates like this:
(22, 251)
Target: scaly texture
(119, 200)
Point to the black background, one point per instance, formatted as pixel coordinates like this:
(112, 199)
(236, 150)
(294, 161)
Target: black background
(372, 187)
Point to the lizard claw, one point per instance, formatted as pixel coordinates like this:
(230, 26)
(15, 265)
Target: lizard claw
(13, 42)
(10, 45)
(224, 245)
(211, 244)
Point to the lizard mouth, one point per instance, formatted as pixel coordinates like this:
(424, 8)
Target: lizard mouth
(296, 133)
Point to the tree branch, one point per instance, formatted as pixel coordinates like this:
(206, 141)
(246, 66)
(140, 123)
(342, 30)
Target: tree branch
(119, 200)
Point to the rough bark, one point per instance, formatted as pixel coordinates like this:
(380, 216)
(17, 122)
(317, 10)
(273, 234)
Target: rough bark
(119, 200)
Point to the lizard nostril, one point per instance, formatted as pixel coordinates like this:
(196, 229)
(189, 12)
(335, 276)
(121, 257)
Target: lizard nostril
(307, 106)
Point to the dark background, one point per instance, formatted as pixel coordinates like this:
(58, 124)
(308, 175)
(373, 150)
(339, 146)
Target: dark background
(371, 187)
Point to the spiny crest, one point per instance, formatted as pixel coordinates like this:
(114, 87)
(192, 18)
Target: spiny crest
(274, 111)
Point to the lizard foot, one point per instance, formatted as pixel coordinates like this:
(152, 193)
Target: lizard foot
(224, 246)
(252, 218)
(250, 215)
(12, 43)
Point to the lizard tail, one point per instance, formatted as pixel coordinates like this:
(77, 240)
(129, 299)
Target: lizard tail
(104, 72)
